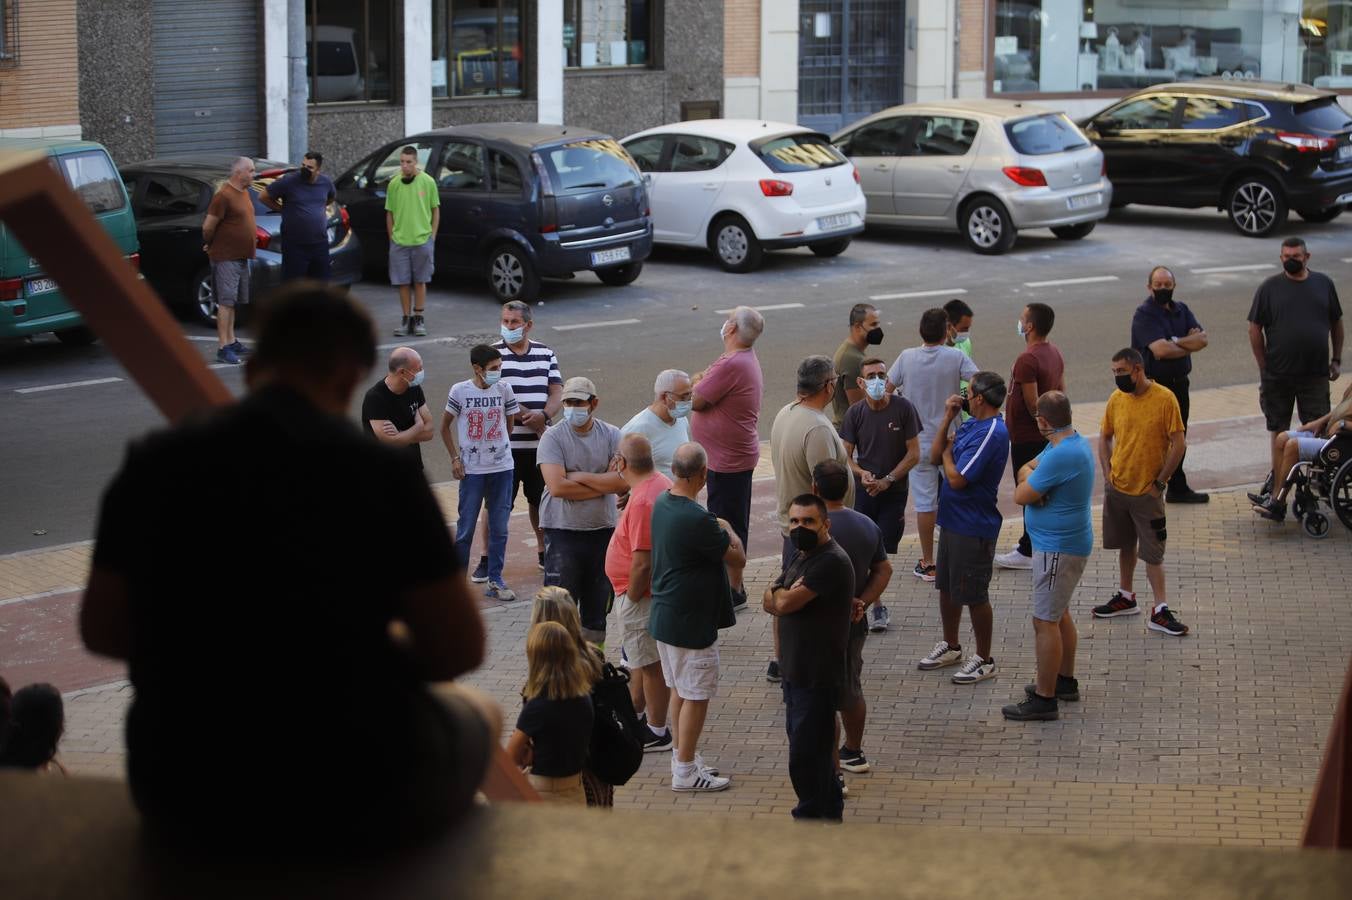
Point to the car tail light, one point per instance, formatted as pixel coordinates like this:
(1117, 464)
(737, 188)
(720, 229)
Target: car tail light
(1307, 143)
(773, 187)
(342, 214)
(271, 173)
(1025, 176)
(11, 288)
(549, 214)
(262, 238)
(135, 260)
(856, 176)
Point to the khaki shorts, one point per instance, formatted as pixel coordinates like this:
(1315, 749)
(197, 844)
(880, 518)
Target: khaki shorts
(1139, 521)
(639, 647)
(692, 674)
(1055, 577)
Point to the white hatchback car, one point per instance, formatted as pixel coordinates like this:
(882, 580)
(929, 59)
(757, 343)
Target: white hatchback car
(742, 186)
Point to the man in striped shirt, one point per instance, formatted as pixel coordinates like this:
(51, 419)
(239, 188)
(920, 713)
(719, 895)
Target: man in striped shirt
(532, 371)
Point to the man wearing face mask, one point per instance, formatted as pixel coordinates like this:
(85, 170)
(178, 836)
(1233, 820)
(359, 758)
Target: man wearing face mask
(666, 421)
(813, 601)
(303, 199)
(395, 408)
(412, 217)
(1294, 316)
(960, 318)
(578, 458)
(1166, 334)
(883, 430)
(1141, 441)
(865, 332)
(973, 462)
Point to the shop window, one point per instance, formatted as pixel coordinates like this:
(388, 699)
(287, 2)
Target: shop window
(1325, 48)
(608, 32)
(9, 33)
(477, 48)
(351, 50)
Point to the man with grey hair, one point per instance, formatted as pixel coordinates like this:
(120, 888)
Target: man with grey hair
(865, 332)
(727, 399)
(395, 409)
(666, 421)
(801, 437)
(229, 236)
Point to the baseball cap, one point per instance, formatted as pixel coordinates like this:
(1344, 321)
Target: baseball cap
(578, 388)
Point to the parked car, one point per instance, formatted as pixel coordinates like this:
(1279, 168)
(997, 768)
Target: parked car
(1253, 149)
(741, 186)
(519, 202)
(987, 168)
(30, 300)
(170, 197)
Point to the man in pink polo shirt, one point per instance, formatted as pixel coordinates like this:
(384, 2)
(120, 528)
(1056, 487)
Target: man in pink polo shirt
(727, 398)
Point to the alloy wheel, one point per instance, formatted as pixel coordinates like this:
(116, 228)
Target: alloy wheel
(985, 226)
(1254, 207)
(507, 275)
(206, 300)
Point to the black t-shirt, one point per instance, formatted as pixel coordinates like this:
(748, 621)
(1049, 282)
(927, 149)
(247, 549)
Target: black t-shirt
(560, 734)
(880, 436)
(260, 601)
(1296, 317)
(812, 641)
(401, 409)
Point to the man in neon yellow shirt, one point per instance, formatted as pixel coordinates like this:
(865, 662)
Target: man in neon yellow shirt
(412, 214)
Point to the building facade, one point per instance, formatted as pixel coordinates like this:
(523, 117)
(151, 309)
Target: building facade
(38, 74)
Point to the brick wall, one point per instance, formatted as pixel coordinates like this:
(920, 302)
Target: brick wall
(741, 38)
(972, 40)
(43, 89)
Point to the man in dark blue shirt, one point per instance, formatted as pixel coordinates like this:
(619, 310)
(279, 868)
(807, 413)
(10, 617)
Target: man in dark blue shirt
(1166, 334)
(303, 199)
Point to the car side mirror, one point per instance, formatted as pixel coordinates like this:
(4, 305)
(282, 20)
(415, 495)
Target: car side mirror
(1106, 125)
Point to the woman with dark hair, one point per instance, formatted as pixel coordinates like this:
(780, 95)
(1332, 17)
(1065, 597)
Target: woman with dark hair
(33, 727)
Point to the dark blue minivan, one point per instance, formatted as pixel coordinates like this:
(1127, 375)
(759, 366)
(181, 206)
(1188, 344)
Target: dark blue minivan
(519, 202)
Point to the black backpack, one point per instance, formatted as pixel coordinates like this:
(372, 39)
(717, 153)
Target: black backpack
(616, 746)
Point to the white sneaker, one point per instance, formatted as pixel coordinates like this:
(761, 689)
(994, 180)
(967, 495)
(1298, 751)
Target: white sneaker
(699, 760)
(1014, 560)
(942, 655)
(974, 670)
(701, 780)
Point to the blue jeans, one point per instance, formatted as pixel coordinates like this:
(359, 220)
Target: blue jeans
(494, 492)
(810, 720)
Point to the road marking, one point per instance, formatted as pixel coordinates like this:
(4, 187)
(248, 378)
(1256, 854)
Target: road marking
(941, 291)
(1249, 268)
(418, 343)
(607, 324)
(771, 307)
(68, 384)
(1092, 279)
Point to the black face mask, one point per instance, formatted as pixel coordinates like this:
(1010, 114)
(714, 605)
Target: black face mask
(1125, 384)
(1163, 296)
(874, 336)
(804, 538)
(966, 406)
(1293, 266)
(407, 179)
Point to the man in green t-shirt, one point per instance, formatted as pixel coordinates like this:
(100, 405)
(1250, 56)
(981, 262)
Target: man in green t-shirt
(692, 551)
(412, 215)
(865, 332)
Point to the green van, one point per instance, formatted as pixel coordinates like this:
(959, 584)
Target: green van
(30, 302)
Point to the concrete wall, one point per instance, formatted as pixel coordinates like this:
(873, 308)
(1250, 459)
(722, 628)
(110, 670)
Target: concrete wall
(38, 95)
(116, 90)
(779, 61)
(929, 62)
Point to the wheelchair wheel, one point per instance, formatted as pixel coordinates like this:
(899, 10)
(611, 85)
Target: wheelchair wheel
(1316, 525)
(1340, 494)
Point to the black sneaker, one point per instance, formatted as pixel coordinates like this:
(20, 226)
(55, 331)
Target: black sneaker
(1272, 509)
(1067, 689)
(1188, 496)
(1118, 606)
(738, 600)
(480, 571)
(540, 561)
(653, 742)
(1032, 709)
(772, 673)
(240, 349)
(853, 760)
(1165, 622)
(1264, 492)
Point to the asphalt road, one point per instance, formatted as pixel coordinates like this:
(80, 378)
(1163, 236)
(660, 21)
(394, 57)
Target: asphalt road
(68, 412)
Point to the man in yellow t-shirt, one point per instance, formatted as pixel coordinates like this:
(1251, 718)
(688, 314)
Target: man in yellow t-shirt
(1141, 442)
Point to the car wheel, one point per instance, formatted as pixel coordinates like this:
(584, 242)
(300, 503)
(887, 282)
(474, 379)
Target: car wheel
(830, 248)
(619, 276)
(987, 226)
(512, 275)
(1322, 215)
(204, 298)
(1256, 206)
(735, 244)
(80, 336)
(1074, 232)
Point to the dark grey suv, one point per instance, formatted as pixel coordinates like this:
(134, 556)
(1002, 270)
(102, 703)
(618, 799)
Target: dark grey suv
(519, 202)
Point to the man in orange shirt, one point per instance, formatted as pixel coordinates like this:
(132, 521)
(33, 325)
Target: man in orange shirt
(230, 236)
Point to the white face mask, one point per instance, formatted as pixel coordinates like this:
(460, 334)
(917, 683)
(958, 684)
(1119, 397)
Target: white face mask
(417, 379)
(964, 335)
(576, 416)
(682, 408)
(491, 376)
(723, 331)
(512, 335)
(1019, 327)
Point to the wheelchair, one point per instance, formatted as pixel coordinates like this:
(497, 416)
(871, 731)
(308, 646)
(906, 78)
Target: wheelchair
(1324, 481)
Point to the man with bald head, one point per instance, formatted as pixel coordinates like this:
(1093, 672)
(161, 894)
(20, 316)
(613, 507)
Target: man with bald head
(229, 237)
(395, 409)
(629, 568)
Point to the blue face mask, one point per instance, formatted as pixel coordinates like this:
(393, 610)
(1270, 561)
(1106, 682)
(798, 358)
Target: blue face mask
(417, 379)
(1019, 326)
(491, 376)
(682, 408)
(576, 416)
(512, 335)
(875, 388)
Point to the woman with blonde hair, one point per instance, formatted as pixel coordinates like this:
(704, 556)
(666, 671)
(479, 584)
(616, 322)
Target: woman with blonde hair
(554, 729)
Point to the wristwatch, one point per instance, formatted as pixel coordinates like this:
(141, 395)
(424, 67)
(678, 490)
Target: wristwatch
(1160, 485)
(889, 478)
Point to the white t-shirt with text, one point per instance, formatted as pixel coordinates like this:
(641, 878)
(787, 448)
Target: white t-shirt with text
(481, 416)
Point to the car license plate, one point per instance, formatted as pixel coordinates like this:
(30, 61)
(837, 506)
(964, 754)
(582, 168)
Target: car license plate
(605, 257)
(828, 223)
(1345, 151)
(1084, 201)
(37, 286)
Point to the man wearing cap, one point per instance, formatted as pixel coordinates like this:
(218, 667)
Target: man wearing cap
(578, 459)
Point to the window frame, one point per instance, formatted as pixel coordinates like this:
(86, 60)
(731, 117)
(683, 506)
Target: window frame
(9, 33)
(525, 37)
(656, 12)
(363, 58)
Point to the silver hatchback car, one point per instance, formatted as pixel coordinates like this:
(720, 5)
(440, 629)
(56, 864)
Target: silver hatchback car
(986, 168)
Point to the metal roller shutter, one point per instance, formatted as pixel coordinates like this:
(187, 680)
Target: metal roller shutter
(206, 76)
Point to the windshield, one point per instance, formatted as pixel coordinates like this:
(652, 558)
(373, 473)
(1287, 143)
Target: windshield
(93, 177)
(1044, 134)
(591, 164)
(798, 152)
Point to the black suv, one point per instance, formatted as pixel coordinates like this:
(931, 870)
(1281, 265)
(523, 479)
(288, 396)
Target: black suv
(1254, 149)
(519, 202)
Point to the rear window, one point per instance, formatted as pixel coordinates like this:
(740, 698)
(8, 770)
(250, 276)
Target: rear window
(798, 152)
(589, 165)
(1323, 115)
(1044, 134)
(93, 177)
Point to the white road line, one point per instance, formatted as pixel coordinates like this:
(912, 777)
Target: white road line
(1249, 268)
(606, 324)
(1092, 279)
(68, 384)
(773, 306)
(941, 291)
(419, 343)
